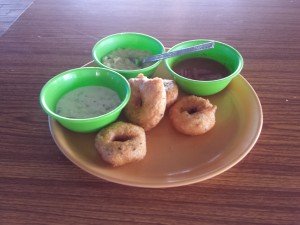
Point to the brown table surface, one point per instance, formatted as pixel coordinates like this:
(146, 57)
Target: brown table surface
(38, 185)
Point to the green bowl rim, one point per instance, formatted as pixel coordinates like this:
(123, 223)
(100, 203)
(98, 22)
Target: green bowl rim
(55, 115)
(127, 71)
(233, 74)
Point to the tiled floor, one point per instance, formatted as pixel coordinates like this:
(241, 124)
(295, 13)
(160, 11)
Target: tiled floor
(10, 10)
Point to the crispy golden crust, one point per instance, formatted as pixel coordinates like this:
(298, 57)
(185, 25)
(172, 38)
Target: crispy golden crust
(171, 91)
(121, 143)
(193, 115)
(147, 103)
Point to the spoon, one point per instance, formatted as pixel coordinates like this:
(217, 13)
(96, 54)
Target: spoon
(154, 58)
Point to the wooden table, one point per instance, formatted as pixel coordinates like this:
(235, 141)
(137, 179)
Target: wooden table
(38, 185)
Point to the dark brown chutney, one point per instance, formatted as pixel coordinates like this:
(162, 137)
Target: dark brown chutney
(201, 69)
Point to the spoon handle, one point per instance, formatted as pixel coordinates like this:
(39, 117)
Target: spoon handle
(183, 51)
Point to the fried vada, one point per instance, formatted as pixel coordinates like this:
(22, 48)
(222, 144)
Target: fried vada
(121, 143)
(171, 91)
(147, 103)
(192, 115)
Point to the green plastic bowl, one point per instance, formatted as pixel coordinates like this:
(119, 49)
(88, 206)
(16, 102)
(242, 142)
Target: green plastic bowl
(222, 53)
(129, 40)
(67, 81)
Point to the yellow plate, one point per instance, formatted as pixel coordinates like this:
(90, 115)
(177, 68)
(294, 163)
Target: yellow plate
(174, 159)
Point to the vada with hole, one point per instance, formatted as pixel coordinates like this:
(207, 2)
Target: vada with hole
(121, 143)
(193, 115)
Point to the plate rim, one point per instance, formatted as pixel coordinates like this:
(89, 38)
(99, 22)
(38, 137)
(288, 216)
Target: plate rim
(177, 183)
